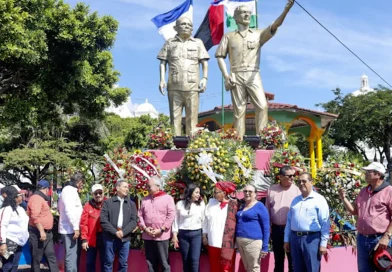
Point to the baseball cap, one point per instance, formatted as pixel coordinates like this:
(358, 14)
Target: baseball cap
(43, 184)
(376, 166)
(382, 259)
(96, 187)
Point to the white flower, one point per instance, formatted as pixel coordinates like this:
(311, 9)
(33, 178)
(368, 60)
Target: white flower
(328, 190)
(349, 186)
(326, 184)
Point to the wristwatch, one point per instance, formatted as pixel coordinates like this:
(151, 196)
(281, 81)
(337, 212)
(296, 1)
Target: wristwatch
(389, 235)
(162, 230)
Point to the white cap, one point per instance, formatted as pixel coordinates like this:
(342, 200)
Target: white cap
(96, 187)
(376, 166)
(1, 186)
(16, 187)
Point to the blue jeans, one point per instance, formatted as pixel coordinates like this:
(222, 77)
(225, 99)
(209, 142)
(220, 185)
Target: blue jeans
(92, 254)
(190, 247)
(365, 245)
(11, 264)
(112, 245)
(305, 252)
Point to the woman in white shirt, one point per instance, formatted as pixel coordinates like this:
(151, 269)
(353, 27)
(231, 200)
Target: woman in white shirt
(219, 228)
(13, 230)
(187, 228)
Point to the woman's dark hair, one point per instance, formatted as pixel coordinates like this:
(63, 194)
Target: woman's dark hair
(10, 200)
(188, 195)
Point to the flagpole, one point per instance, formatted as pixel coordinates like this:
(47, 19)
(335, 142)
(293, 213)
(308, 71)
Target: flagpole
(223, 87)
(257, 15)
(223, 104)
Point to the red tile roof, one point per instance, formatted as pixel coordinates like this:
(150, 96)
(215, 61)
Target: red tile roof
(272, 105)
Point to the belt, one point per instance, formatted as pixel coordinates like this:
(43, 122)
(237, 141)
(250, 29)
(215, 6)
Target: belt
(372, 235)
(36, 229)
(303, 233)
(244, 69)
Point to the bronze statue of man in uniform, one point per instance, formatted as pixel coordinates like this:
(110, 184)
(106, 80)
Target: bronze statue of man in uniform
(184, 55)
(244, 81)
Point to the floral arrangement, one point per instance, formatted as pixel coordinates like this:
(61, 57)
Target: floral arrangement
(289, 156)
(135, 167)
(230, 133)
(211, 156)
(339, 172)
(160, 138)
(176, 189)
(272, 136)
(144, 166)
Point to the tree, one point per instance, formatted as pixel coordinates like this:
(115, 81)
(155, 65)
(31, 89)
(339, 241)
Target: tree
(54, 60)
(33, 161)
(365, 119)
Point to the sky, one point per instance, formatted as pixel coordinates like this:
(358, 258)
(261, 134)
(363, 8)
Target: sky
(301, 64)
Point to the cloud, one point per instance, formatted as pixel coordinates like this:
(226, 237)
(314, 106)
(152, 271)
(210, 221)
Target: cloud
(301, 45)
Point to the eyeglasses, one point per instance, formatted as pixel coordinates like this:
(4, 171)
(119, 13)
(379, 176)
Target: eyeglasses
(371, 171)
(289, 176)
(302, 181)
(98, 193)
(247, 192)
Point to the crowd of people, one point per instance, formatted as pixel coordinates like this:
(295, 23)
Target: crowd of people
(295, 217)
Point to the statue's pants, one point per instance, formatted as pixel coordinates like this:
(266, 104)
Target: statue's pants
(177, 101)
(248, 85)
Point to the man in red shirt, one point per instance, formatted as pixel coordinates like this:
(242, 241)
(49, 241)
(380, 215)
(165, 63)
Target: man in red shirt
(90, 228)
(40, 228)
(374, 209)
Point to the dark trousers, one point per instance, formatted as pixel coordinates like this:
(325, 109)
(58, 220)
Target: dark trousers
(190, 247)
(40, 248)
(157, 253)
(305, 252)
(92, 254)
(112, 245)
(11, 264)
(277, 237)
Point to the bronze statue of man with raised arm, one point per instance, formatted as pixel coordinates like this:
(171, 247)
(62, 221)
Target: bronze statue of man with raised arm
(244, 81)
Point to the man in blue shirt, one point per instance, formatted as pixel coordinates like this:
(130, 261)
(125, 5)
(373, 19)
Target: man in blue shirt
(307, 228)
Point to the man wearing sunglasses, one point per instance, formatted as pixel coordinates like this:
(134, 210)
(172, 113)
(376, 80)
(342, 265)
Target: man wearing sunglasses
(278, 203)
(90, 228)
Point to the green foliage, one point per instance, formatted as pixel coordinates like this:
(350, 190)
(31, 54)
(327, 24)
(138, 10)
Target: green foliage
(33, 161)
(365, 118)
(302, 144)
(54, 60)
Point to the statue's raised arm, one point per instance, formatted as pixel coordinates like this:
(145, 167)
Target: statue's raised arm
(244, 80)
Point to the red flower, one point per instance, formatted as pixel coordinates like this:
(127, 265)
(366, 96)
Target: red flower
(336, 237)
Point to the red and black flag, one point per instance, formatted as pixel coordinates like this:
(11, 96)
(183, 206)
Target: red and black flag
(211, 29)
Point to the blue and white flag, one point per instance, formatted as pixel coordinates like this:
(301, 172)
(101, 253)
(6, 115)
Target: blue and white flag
(166, 21)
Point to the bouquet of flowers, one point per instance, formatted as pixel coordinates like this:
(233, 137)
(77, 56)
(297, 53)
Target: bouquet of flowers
(115, 162)
(289, 156)
(176, 189)
(144, 166)
(160, 138)
(136, 168)
(272, 136)
(210, 158)
(230, 133)
(339, 172)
